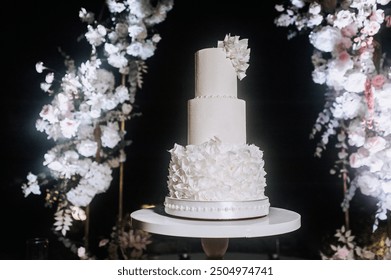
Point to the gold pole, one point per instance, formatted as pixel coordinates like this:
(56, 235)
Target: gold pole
(97, 135)
(121, 182)
(121, 169)
(345, 189)
(87, 228)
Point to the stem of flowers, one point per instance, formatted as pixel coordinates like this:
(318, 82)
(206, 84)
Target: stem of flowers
(345, 190)
(87, 228)
(121, 167)
(389, 223)
(121, 182)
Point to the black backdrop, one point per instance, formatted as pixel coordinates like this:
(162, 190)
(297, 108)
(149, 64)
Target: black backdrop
(282, 106)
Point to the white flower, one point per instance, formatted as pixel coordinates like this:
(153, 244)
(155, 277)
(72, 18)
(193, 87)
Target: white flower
(122, 94)
(64, 104)
(49, 113)
(81, 253)
(284, 20)
(39, 67)
(71, 85)
(344, 18)
(86, 16)
(369, 184)
(319, 75)
(156, 38)
(110, 135)
(387, 205)
(49, 78)
(375, 144)
(45, 87)
(383, 2)
(314, 20)
(359, 158)
(33, 188)
(371, 28)
(127, 108)
(95, 181)
(69, 127)
(115, 7)
(279, 8)
(378, 16)
(298, 3)
(141, 50)
(148, 50)
(99, 177)
(137, 31)
(356, 133)
(347, 106)
(104, 81)
(315, 8)
(236, 50)
(117, 60)
(111, 49)
(87, 148)
(78, 213)
(32, 185)
(343, 253)
(355, 82)
(383, 97)
(96, 36)
(326, 38)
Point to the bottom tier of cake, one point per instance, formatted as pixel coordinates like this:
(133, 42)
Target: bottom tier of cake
(216, 210)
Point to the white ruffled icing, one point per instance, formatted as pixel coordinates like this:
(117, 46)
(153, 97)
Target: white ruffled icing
(216, 171)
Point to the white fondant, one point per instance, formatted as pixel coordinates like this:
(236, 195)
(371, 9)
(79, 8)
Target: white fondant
(214, 73)
(222, 117)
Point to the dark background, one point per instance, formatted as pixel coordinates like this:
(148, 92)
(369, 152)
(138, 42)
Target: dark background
(282, 106)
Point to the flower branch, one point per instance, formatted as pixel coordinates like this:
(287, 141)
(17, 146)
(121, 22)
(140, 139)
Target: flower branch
(90, 101)
(349, 61)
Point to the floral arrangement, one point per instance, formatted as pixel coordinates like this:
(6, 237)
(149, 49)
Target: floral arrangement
(238, 52)
(90, 104)
(349, 61)
(347, 248)
(125, 243)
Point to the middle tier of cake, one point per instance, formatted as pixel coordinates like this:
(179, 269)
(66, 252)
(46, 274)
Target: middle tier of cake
(216, 116)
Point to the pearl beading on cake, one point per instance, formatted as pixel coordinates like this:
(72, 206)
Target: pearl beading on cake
(215, 96)
(212, 210)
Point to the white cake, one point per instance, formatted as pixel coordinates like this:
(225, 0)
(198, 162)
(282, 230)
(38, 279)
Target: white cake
(217, 175)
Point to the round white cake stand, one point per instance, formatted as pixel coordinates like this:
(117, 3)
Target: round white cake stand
(215, 234)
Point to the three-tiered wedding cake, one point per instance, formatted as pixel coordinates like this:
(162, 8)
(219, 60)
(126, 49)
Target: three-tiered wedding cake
(217, 175)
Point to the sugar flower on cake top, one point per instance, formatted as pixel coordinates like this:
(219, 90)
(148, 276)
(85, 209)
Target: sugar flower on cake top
(237, 51)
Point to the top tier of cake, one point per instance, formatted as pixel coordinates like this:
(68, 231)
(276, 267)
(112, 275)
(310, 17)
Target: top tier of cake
(215, 111)
(214, 74)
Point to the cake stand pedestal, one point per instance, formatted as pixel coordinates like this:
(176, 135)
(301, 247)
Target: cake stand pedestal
(215, 234)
